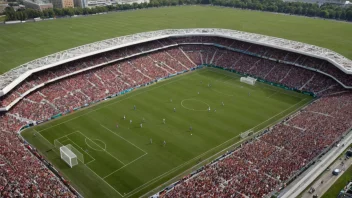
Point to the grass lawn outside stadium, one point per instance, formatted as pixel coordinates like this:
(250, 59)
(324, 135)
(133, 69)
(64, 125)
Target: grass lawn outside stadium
(341, 182)
(121, 161)
(21, 43)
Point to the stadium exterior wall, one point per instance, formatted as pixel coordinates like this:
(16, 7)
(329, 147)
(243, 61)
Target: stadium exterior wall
(13, 103)
(14, 77)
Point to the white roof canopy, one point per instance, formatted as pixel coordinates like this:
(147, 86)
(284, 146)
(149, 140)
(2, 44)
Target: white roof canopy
(15, 76)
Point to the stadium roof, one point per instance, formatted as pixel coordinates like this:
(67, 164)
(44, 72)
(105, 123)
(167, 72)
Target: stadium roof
(13, 77)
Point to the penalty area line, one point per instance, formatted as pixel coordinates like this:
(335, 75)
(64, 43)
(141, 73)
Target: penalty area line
(105, 181)
(125, 165)
(201, 155)
(122, 138)
(146, 89)
(85, 166)
(93, 159)
(65, 135)
(101, 148)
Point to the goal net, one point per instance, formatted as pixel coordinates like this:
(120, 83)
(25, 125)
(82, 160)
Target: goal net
(246, 134)
(71, 153)
(68, 156)
(249, 80)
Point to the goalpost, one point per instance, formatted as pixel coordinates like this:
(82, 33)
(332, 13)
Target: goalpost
(246, 133)
(249, 80)
(69, 154)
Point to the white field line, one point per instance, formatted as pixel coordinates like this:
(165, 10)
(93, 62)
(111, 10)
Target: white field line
(83, 151)
(105, 181)
(236, 78)
(122, 138)
(225, 82)
(102, 148)
(281, 92)
(215, 70)
(87, 167)
(224, 75)
(43, 136)
(125, 165)
(147, 90)
(176, 168)
(74, 144)
(221, 79)
(65, 135)
(90, 162)
(69, 140)
(230, 95)
(272, 94)
(141, 187)
(234, 84)
(85, 140)
(194, 100)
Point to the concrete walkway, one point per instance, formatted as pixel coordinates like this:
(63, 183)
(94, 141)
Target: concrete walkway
(328, 179)
(301, 183)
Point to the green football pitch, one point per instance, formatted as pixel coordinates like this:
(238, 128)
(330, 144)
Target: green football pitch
(21, 43)
(123, 162)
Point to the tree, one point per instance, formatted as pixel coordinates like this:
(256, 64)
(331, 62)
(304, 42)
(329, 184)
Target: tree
(51, 13)
(349, 15)
(325, 11)
(299, 10)
(311, 12)
(332, 14)
(58, 12)
(343, 15)
(10, 14)
(324, 14)
(78, 11)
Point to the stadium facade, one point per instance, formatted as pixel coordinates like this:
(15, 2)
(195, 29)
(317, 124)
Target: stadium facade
(301, 67)
(14, 77)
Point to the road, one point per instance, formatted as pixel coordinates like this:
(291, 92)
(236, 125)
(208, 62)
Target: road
(327, 179)
(301, 183)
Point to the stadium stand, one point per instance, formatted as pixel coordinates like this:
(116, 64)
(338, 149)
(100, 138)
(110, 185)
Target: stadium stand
(258, 168)
(277, 155)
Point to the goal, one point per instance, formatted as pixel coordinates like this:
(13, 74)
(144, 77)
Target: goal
(66, 153)
(68, 156)
(246, 134)
(249, 80)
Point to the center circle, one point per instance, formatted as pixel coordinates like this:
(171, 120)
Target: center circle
(194, 105)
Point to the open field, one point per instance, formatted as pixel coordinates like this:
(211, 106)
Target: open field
(122, 162)
(341, 182)
(21, 43)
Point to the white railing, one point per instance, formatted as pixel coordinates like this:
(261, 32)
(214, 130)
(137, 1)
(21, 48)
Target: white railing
(8, 107)
(12, 78)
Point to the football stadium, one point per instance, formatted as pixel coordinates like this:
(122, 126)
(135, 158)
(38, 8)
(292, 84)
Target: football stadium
(186, 112)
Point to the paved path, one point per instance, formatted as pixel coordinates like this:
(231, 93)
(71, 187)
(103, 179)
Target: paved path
(328, 179)
(301, 183)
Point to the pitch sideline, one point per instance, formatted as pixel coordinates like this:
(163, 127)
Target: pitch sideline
(187, 162)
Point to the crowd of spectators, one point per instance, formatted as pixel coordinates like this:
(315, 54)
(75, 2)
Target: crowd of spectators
(265, 164)
(294, 58)
(288, 75)
(94, 85)
(255, 170)
(198, 54)
(21, 173)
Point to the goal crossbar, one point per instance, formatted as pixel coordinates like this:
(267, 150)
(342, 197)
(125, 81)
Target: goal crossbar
(249, 80)
(68, 156)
